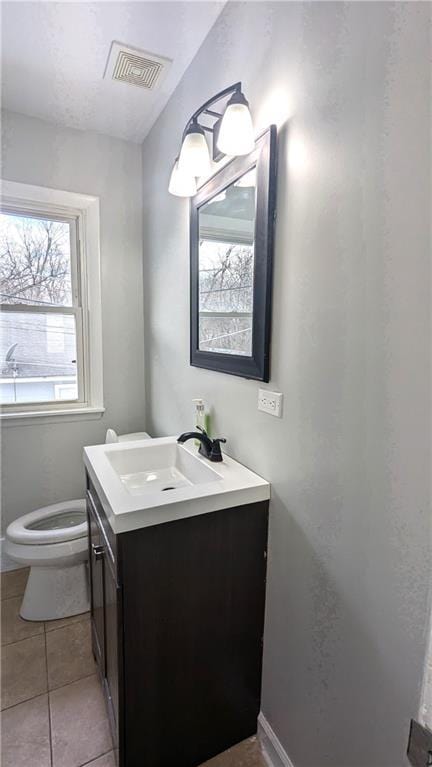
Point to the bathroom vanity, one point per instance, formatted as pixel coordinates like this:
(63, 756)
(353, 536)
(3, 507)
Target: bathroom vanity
(177, 599)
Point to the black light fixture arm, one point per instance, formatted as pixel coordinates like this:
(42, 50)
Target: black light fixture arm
(205, 108)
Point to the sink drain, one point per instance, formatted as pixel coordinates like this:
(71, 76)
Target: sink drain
(168, 488)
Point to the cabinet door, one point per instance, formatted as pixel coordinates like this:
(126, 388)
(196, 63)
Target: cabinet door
(96, 569)
(112, 606)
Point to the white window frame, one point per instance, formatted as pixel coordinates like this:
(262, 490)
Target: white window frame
(82, 212)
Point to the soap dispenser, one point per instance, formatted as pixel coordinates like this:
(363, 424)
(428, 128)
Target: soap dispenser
(201, 416)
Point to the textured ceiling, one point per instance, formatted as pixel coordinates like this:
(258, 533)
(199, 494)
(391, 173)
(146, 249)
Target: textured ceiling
(54, 57)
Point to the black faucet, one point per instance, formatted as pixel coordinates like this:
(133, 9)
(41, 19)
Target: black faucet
(209, 448)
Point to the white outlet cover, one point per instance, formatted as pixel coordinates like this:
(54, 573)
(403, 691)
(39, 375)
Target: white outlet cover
(270, 402)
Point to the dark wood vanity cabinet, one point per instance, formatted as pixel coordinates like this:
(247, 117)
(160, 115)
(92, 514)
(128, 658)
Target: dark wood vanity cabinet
(177, 613)
(106, 608)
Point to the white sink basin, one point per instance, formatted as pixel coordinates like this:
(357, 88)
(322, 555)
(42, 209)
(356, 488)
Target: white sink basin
(159, 468)
(159, 480)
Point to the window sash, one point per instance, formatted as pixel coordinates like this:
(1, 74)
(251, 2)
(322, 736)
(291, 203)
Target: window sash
(80, 353)
(78, 308)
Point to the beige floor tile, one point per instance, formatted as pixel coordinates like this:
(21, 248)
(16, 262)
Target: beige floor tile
(107, 760)
(13, 627)
(25, 734)
(13, 583)
(24, 672)
(245, 754)
(69, 654)
(60, 623)
(79, 724)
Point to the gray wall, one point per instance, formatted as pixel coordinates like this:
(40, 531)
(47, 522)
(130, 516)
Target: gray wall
(350, 513)
(42, 463)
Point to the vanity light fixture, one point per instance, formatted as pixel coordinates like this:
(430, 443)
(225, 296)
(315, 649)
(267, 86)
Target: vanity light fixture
(232, 134)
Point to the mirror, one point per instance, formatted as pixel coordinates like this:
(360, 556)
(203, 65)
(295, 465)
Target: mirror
(231, 259)
(226, 269)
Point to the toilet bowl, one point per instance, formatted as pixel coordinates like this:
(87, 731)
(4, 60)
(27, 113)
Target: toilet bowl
(53, 542)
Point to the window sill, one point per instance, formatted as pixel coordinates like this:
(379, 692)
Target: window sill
(30, 417)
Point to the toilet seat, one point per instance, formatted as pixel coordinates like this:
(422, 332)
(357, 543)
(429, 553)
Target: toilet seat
(33, 528)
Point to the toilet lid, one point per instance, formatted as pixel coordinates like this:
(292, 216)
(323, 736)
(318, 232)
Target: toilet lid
(51, 524)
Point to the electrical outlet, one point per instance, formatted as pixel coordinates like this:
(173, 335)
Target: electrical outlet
(270, 402)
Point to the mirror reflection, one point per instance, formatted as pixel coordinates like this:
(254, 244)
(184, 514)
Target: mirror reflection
(226, 268)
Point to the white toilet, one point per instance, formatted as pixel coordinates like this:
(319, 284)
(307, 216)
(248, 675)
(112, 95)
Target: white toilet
(53, 541)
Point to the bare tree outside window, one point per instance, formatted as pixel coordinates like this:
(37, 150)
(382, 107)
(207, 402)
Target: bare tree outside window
(38, 347)
(226, 296)
(35, 263)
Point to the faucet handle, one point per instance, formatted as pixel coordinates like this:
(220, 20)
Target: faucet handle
(216, 453)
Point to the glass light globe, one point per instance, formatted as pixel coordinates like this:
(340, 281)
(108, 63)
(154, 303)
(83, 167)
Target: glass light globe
(236, 133)
(181, 184)
(194, 155)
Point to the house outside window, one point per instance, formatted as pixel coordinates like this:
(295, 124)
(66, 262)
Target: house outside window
(50, 339)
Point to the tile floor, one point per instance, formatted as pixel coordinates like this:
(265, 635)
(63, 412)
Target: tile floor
(53, 713)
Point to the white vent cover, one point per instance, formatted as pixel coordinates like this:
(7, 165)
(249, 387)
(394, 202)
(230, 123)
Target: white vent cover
(130, 65)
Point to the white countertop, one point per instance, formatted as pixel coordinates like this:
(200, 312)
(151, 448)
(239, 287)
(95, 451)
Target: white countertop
(232, 485)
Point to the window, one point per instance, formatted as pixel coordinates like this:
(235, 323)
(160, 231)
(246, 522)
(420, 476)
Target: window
(46, 343)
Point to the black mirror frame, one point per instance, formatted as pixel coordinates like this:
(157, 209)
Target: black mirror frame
(263, 157)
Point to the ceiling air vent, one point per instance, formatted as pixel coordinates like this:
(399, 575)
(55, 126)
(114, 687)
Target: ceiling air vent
(130, 65)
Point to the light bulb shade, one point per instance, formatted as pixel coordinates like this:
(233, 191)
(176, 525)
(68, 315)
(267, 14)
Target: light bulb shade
(194, 155)
(236, 133)
(181, 184)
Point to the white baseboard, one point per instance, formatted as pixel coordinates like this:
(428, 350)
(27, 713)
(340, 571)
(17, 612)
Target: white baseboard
(274, 752)
(5, 562)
